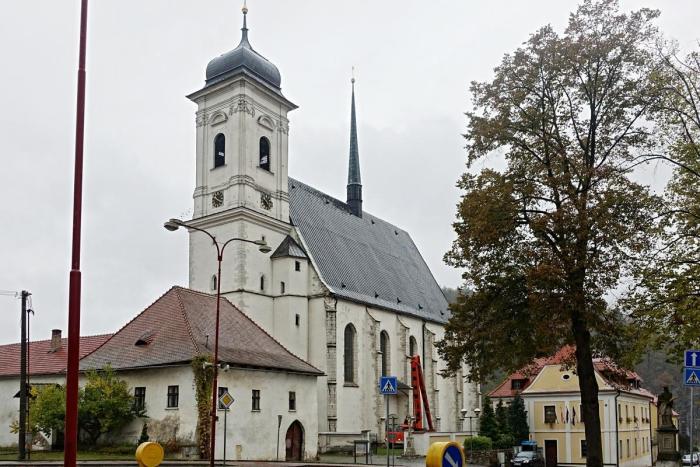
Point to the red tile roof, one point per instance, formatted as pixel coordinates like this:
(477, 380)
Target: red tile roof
(41, 360)
(180, 325)
(567, 356)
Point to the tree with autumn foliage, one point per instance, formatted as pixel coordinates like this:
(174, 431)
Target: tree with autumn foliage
(666, 299)
(545, 239)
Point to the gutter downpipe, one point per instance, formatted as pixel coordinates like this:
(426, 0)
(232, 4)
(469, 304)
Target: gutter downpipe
(617, 432)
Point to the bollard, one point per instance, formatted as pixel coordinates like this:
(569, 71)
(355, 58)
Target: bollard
(149, 454)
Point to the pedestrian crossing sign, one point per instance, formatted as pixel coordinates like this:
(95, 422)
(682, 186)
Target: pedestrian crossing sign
(388, 385)
(691, 377)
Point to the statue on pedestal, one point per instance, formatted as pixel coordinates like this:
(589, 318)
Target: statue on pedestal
(666, 431)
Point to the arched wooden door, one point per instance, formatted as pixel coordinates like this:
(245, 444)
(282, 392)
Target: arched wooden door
(294, 442)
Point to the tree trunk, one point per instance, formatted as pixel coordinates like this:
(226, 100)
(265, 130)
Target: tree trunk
(589, 391)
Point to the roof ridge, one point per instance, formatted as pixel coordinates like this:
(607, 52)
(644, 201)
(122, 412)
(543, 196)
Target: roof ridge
(269, 335)
(127, 323)
(177, 290)
(62, 338)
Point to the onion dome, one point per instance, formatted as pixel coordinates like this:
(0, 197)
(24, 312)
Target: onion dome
(243, 59)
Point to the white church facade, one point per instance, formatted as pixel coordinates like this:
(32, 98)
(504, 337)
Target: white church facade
(344, 290)
(343, 298)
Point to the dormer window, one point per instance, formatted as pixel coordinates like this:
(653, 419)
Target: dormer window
(145, 339)
(219, 150)
(517, 384)
(264, 161)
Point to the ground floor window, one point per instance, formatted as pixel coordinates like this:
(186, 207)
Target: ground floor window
(173, 396)
(139, 398)
(256, 399)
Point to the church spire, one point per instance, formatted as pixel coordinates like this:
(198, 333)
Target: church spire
(354, 189)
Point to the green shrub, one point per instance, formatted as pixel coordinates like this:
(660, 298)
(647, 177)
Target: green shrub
(478, 443)
(504, 441)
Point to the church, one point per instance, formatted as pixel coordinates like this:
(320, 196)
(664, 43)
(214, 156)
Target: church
(344, 290)
(342, 298)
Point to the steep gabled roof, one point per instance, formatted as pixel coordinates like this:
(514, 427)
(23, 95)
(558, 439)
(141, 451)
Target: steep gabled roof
(289, 248)
(43, 361)
(180, 325)
(365, 259)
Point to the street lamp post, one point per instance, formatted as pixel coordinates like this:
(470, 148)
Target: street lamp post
(172, 225)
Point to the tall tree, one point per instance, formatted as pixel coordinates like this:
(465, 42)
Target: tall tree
(517, 420)
(666, 302)
(488, 426)
(546, 238)
(502, 418)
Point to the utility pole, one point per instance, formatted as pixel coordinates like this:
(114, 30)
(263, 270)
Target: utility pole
(23, 381)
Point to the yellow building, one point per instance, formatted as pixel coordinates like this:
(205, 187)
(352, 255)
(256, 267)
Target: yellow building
(550, 390)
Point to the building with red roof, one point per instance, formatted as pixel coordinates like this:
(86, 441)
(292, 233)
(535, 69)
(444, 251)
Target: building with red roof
(550, 390)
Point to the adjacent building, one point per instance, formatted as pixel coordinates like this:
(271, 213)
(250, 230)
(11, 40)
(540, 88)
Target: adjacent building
(550, 390)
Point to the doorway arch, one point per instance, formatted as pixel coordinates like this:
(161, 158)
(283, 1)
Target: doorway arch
(294, 442)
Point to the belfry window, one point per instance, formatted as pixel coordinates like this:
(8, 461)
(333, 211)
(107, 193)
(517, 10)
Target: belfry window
(219, 150)
(213, 282)
(384, 349)
(349, 353)
(264, 153)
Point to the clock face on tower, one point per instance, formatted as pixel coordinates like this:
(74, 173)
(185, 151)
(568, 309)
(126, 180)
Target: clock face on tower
(217, 199)
(266, 201)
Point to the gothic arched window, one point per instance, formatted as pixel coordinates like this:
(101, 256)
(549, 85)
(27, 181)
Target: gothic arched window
(349, 353)
(219, 150)
(213, 282)
(384, 349)
(264, 153)
(412, 346)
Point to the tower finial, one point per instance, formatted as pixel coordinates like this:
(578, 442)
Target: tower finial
(354, 187)
(244, 36)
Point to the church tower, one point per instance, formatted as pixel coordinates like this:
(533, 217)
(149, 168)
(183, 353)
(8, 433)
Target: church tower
(241, 187)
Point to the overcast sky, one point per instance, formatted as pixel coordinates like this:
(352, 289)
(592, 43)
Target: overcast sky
(413, 60)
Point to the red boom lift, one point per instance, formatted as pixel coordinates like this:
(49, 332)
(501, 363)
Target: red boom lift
(419, 394)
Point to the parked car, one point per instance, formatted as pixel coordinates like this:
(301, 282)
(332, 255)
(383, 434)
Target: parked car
(527, 459)
(696, 459)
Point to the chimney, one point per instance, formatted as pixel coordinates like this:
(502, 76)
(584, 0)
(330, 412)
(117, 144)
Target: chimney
(55, 340)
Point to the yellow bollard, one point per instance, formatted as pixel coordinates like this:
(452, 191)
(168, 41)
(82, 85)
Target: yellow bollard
(445, 453)
(149, 454)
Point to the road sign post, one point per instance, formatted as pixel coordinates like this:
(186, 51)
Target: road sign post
(691, 378)
(226, 400)
(388, 386)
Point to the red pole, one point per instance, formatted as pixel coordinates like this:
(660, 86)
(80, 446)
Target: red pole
(71, 429)
(214, 392)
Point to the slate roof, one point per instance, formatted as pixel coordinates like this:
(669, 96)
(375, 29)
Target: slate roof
(289, 248)
(41, 360)
(365, 259)
(180, 325)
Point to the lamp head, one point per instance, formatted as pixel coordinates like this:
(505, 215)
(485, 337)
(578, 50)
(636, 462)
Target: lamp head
(263, 246)
(477, 411)
(172, 225)
(464, 413)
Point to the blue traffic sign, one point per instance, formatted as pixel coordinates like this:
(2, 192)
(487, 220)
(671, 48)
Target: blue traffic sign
(388, 385)
(692, 358)
(691, 377)
(452, 457)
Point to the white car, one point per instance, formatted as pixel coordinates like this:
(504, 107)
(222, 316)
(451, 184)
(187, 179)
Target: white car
(696, 459)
